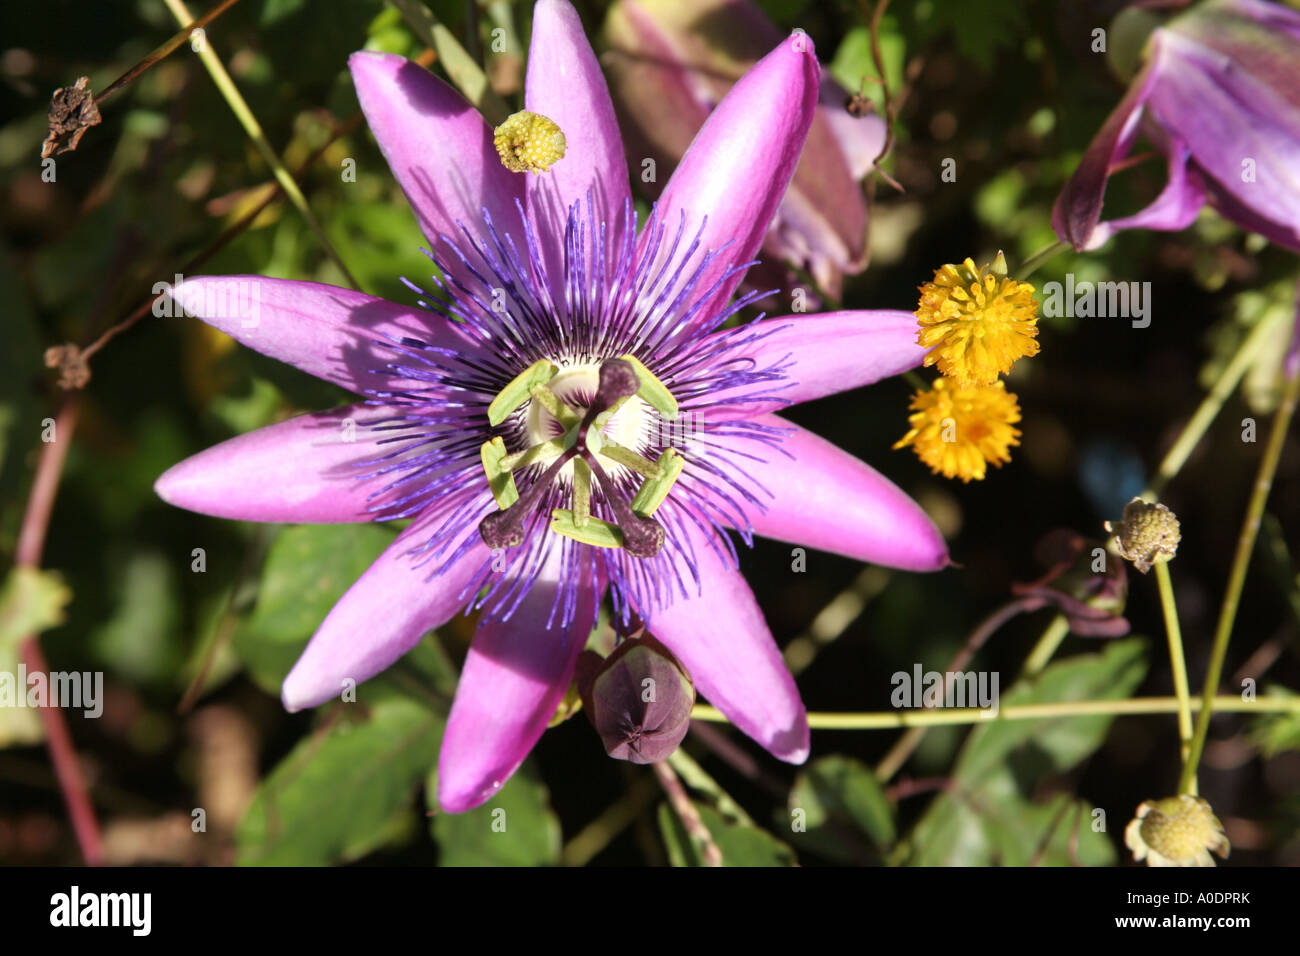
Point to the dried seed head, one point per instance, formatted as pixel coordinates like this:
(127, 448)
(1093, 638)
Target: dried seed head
(1176, 831)
(1147, 534)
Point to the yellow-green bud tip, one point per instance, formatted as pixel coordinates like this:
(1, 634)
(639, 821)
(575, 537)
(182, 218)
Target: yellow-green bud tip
(529, 142)
(1147, 534)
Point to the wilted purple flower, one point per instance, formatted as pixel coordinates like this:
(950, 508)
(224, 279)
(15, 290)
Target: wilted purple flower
(1091, 599)
(519, 368)
(638, 699)
(1219, 95)
(671, 62)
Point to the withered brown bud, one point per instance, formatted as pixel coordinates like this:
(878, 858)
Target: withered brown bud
(1080, 583)
(74, 371)
(73, 110)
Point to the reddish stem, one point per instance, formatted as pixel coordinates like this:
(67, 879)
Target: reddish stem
(31, 542)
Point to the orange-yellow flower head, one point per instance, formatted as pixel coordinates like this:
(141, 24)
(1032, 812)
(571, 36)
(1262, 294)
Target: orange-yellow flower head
(976, 322)
(960, 429)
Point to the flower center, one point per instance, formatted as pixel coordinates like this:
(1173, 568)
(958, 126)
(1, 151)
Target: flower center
(576, 387)
(573, 425)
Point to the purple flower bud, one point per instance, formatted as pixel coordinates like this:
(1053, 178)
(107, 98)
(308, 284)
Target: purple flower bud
(639, 699)
(672, 61)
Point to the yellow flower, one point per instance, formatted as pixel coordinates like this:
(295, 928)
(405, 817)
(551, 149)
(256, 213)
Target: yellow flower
(976, 322)
(958, 429)
(1177, 831)
(529, 142)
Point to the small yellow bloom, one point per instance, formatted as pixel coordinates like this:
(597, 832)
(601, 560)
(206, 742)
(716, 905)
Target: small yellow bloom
(1177, 831)
(958, 429)
(529, 142)
(976, 322)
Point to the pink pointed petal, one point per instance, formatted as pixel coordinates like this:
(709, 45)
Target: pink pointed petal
(565, 83)
(821, 355)
(741, 162)
(438, 147)
(383, 616)
(334, 334)
(720, 636)
(515, 675)
(1227, 115)
(1274, 228)
(1078, 207)
(825, 498)
(1175, 208)
(307, 469)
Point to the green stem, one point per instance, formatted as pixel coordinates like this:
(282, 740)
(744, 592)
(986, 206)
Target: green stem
(695, 777)
(893, 719)
(1177, 662)
(915, 380)
(602, 831)
(1237, 576)
(1030, 265)
(1047, 644)
(1208, 410)
(699, 835)
(253, 130)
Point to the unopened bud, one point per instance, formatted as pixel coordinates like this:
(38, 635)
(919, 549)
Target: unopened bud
(639, 699)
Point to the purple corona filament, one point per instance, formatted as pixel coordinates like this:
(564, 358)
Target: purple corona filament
(615, 303)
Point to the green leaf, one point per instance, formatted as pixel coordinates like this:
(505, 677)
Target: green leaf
(853, 61)
(1000, 25)
(1275, 733)
(838, 796)
(515, 828)
(995, 825)
(985, 817)
(1277, 562)
(336, 795)
(307, 570)
(141, 638)
(783, 11)
(741, 844)
(31, 601)
(1062, 741)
